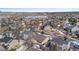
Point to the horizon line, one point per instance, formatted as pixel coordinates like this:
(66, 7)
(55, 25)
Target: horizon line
(39, 9)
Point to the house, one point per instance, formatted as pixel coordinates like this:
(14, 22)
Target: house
(6, 40)
(47, 28)
(66, 47)
(36, 46)
(13, 45)
(75, 31)
(8, 34)
(44, 48)
(1, 36)
(68, 27)
(33, 49)
(2, 48)
(22, 48)
(12, 26)
(26, 34)
(76, 28)
(39, 39)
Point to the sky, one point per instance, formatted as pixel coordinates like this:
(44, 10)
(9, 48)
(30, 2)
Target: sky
(39, 9)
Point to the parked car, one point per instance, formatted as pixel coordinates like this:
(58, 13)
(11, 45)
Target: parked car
(75, 44)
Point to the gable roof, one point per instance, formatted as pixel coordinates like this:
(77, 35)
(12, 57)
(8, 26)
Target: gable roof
(39, 38)
(6, 39)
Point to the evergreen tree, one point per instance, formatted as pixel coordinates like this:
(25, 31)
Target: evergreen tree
(72, 21)
(53, 47)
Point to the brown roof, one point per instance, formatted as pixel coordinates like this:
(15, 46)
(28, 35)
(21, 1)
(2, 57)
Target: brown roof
(39, 38)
